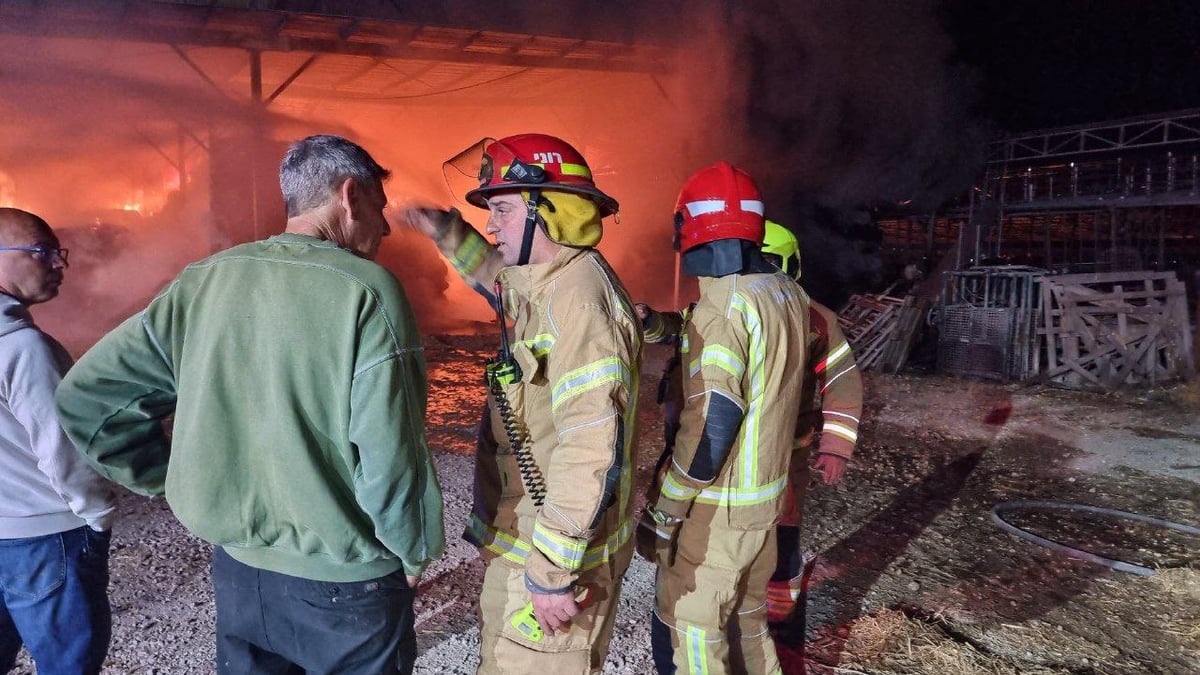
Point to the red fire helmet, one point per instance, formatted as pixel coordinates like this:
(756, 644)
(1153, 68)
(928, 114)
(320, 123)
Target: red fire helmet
(540, 162)
(718, 202)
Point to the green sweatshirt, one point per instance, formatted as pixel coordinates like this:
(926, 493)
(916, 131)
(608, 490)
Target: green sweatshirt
(297, 379)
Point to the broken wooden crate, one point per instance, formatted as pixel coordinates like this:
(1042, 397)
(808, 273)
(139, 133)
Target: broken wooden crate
(1104, 331)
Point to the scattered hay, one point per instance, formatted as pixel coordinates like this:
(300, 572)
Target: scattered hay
(1183, 584)
(889, 641)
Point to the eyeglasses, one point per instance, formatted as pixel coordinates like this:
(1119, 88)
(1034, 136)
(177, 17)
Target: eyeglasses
(46, 254)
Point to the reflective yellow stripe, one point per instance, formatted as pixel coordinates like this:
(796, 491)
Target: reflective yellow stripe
(673, 489)
(500, 543)
(737, 496)
(657, 330)
(598, 555)
(842, 430)
(683, 342)
(697, 653)
(540, 344)
(470, 254)
(721, 357)
(562, 551)
(837, 354)
(516, 550)
(595, 374)
(750, 425)
(565, 169)
(575, 170)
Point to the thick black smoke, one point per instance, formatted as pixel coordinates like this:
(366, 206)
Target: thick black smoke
(840, 106)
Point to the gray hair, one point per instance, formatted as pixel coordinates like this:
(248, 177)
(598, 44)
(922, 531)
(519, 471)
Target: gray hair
(314, 167)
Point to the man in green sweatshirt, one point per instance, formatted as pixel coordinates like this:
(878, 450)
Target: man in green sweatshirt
(296, 376)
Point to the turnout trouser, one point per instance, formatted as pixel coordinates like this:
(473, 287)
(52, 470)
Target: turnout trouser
(711, 602)
(579, 651)
(275, 623)
(784, 589)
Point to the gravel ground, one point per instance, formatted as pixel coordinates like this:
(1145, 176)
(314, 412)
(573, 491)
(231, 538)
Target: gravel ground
(912, 577)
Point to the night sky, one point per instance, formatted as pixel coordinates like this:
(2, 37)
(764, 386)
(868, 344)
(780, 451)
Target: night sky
(1048, 63)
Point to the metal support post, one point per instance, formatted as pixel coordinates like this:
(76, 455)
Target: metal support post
(256, 95)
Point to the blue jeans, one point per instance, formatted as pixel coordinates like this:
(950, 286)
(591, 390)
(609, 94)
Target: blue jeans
(55, 593)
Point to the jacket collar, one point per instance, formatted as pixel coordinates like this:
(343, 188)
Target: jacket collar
(524, 279)
(14, 315)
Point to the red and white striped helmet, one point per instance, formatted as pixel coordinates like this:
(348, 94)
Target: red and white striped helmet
(718, 202)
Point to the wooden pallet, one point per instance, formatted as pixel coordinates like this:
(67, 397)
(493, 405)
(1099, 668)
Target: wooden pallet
(1104, 331)
(869, 322)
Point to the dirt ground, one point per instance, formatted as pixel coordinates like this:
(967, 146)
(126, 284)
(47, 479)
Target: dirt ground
(911, 575)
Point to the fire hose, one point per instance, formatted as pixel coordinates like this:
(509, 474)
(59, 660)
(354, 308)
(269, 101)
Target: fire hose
(1078, 553)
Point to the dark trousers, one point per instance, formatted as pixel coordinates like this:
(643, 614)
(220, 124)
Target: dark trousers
(55, 599)
(275, 623)
(660, 646)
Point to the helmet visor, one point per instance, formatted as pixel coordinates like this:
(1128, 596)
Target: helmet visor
(468, 170)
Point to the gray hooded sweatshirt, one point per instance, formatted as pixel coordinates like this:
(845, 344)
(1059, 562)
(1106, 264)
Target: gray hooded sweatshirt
(46, 485)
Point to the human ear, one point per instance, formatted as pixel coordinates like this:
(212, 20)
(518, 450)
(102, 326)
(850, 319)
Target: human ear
(348, 198)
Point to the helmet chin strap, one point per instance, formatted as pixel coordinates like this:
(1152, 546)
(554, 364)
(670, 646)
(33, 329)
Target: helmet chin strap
(535, 195)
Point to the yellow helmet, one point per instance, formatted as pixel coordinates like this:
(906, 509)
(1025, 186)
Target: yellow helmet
(779, 241)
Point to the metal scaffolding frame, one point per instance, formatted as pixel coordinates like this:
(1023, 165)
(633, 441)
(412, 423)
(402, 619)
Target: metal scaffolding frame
(1151, 131)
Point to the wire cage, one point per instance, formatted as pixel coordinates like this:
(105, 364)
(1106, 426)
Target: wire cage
(988, 322)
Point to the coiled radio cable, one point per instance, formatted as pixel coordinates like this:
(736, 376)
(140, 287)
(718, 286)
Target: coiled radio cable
(504, 370)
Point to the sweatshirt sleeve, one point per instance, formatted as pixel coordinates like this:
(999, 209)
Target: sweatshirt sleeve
(591, 371)
(37, 373)
(395, 481)
(714, 355)
(114, 402)
(841, 389)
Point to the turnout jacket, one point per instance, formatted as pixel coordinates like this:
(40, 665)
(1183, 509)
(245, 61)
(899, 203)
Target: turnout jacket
(297, 379)
(579, 346)
(743, 354)
(833, 396)
(831, 404)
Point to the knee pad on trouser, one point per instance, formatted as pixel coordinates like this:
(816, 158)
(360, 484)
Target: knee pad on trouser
(505, 650)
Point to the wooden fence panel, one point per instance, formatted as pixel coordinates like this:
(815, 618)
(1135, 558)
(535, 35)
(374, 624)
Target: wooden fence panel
(1104, 331)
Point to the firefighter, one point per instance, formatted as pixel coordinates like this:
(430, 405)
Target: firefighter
(552, 513)
(830, 409)
(711, 527)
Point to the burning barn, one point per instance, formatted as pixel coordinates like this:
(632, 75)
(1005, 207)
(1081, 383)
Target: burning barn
(164, 119)
(164, 122)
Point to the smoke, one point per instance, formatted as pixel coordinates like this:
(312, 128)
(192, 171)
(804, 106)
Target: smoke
(832, 106)
(855, 102)
(840, 106)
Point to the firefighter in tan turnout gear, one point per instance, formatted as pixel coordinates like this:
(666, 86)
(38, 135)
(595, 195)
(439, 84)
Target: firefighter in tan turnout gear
(711, 529)
(552, 513)
(830, 410)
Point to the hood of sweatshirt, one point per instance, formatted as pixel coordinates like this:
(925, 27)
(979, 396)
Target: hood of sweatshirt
(14, 315)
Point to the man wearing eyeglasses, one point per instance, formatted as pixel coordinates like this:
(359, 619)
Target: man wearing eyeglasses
(55, 511)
